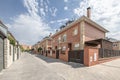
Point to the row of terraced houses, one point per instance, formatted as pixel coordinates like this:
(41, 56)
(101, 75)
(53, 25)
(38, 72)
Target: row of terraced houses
(9, 47)
(81, 41)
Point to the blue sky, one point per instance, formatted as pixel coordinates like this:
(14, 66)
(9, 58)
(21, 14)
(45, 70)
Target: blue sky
(31, 20)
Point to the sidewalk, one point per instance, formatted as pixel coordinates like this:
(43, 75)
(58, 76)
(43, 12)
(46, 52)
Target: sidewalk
(28, 68)
(38, 67)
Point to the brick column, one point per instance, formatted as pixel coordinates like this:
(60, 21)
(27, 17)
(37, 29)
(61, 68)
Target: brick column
(90, 56)
(82, 35)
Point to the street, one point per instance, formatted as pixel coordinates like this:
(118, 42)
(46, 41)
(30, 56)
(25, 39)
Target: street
(38, 67)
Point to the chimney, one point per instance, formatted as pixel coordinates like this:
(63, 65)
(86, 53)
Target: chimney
(89, 12)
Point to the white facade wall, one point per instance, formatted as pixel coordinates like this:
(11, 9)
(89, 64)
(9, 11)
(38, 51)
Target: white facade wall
(11, 53)
(15, 53)
(8, 57)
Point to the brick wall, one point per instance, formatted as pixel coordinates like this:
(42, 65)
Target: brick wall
(71, 38)
(90, 56)
(116, 45)
(51, 54)
(92, 33)
(107, 44)
(64, 56)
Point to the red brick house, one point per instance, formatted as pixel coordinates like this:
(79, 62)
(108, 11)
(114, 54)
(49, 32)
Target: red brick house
(77, 41)
(45, 45)
(74, 36)
(116, 45)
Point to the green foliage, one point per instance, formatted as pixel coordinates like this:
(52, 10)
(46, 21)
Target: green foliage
(39, 49)
(12, 41)
(22, 49)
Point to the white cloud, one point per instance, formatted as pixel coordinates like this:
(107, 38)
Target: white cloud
(65, 8)
(29, 27)
(43, 7)
(59, 21)
(81, 10)
(104, 12)
(42, 12)
(32, 7)
(65, 0)
(53, 11)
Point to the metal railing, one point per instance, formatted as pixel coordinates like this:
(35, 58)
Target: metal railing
(105, 53)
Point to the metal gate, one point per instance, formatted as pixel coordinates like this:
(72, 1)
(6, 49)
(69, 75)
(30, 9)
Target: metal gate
(106, 53)
(1, 54)
(57, 54)
(17, 53)
(13, 54)
(76, 56)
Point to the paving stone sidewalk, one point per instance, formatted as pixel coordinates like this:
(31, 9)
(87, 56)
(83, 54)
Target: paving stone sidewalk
(38, 67)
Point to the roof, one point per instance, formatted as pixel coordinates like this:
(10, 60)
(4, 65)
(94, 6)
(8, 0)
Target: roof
(96, 41)
(3, 29)
(1, 23)
(11, 35)
(86, 19)
(48, 38)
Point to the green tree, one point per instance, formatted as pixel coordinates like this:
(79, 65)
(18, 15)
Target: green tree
(39, 49)
(12, 41)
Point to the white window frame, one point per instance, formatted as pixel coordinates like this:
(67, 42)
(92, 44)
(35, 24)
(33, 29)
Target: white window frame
(75, 31)
(76, 46)
(64, 37)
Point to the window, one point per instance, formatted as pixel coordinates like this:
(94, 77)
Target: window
(63, 48)
(115, 45)
(59, 39)
(76, 46)
(64, 38)
(59, 48)
(75, 31)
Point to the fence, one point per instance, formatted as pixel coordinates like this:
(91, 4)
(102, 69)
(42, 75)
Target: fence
(105, 53)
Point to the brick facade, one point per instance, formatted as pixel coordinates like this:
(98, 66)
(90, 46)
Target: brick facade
(90, 56)
(73, 37)
(116, 45)
(92, 33)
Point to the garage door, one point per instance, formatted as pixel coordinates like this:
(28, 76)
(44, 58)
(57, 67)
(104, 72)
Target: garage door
(1, 53)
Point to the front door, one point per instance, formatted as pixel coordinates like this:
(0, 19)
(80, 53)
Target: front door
(57, 54)
(70, 46)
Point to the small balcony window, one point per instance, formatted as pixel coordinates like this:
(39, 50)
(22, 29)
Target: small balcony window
(64, 37)
(75, 31)
(76, 46)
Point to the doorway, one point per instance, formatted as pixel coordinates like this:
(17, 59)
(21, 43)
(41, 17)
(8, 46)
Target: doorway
(70, 46)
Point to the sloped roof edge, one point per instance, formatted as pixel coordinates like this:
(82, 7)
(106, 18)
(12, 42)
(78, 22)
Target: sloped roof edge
(83, 18)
